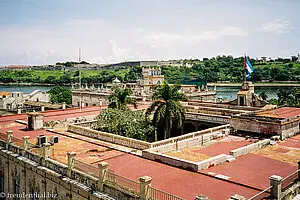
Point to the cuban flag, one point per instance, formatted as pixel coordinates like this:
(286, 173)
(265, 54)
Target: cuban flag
(247, 67)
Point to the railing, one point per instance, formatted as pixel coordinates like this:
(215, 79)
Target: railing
(123, 182)
(265, 194)
(156, 194)
(38, 151)
(30, 145)
(85, 124)
(109, 137)
(290, 179)
(189, 135)
(89, 169)
(208, 117)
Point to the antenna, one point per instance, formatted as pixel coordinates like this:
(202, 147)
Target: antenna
(79, 57)
(79, 60)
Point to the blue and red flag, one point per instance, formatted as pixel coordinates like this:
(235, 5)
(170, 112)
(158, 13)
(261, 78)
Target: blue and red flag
(247, 67)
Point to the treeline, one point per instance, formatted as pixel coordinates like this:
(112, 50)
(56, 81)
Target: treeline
(220, 68)
(227, 68)
(66, 77)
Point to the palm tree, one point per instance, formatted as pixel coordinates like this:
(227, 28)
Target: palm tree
(284, 97)
(169, 113)
(296, 94)
(120, 98)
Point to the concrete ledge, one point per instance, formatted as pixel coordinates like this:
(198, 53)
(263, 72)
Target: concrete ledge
(182, 163)
(249, 148)
(204, 164)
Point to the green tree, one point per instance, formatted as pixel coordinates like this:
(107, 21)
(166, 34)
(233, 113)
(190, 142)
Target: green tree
(284, 97)
(120, 98)
(296, 96)
(169, 113)
(133, 124)
(273, 101)
(59, 94)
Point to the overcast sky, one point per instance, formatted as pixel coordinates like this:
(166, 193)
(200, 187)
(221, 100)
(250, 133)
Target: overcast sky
(107, 31)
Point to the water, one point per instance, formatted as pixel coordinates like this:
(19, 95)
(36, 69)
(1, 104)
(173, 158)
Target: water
(24, 88)
(228, 93)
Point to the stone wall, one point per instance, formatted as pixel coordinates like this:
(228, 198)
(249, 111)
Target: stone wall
(268, 126)
(190, 139)
(290, 129)
(291, 192)
(170, 160)
(219, 119)
(256, 126)
(34, 178)
(182, 163)
(63, 124)
(35, 174)
(249, 148)
(109, 137)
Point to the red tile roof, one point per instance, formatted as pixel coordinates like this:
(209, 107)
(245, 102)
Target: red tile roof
(284, 112)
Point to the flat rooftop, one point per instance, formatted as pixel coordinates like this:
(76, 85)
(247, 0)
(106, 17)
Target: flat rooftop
(245, 176)
(284, 112)
(210, 149)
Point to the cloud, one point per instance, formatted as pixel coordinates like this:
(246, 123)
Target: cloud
(155, 39)
(278, 26)
(118, 52)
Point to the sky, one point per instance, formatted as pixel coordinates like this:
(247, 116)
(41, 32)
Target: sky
(35, 32)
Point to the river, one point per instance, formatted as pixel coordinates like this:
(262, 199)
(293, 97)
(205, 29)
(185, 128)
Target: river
(228, 93)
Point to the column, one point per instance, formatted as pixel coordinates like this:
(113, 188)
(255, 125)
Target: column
(299, 170)
(145, 183)
(276, 181)
(71, 162)
(42, 108)
(46, 151)
(25, 142)
(102, 166)
(9, 135)
(64, 105)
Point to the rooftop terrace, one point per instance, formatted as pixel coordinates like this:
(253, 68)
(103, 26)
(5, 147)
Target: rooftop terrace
(246, 176)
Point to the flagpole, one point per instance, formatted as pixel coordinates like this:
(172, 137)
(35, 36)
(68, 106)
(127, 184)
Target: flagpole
(245, 79)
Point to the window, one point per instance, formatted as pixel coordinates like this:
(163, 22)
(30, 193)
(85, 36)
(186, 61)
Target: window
(242, 100)
(1, 182)
(86, 104)
(16, 183)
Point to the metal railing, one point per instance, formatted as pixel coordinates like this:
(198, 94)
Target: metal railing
(123, 182)
(265, 194)
(156, 194)
(86, 168)
(290, 179)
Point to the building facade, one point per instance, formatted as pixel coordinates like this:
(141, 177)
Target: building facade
(16, 100)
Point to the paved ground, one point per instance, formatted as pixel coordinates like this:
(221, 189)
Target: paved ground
(252, 169)
(224, 145)
(176, 181)
(212, 148)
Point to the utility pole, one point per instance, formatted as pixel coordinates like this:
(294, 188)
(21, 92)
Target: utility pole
(79, 60)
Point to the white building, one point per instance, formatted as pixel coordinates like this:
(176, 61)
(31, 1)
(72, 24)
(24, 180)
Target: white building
(16, 100)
